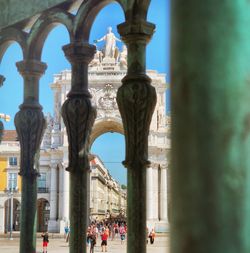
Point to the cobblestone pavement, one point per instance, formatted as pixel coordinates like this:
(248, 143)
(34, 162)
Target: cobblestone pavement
(58, 245)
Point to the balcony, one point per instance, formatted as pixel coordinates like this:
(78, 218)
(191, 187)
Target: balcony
(42, 190)
(11, 190)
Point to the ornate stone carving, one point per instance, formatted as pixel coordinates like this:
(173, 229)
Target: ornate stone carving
(30, 125)
(29, 121)
(79, 116)
(108, 100)
(136, 99)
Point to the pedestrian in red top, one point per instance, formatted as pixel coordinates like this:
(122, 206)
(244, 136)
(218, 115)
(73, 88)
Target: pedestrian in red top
(104, 237)
(45, 237)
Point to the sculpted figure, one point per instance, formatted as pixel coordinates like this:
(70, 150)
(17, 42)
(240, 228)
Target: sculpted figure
(123, 56)
(97, 58)
(110, 43)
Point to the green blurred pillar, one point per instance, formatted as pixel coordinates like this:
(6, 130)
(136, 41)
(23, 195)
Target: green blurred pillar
(210, 72)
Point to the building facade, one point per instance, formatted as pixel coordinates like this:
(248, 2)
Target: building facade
(107, 198)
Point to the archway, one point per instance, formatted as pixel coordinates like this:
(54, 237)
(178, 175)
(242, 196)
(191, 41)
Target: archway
(15, 215)
(43, 212)
(108, 177)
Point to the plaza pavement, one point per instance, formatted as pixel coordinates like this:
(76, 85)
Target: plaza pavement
(58, 245)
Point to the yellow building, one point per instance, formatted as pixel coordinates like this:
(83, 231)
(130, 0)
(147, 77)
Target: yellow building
(10, 181)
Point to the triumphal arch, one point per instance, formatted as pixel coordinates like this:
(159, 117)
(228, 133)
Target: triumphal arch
(105, 73)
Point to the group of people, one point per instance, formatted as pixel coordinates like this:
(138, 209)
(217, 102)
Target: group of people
(102, 230)
(105, 231)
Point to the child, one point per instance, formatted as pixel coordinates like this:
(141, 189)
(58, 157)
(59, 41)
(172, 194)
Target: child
(45, 237)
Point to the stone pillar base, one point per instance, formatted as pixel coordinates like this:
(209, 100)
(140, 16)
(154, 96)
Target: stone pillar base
(53, 226)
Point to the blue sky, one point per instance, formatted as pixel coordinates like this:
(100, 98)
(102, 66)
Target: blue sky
(11, 94)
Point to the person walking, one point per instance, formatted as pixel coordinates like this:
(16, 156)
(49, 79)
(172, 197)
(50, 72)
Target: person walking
(92, 238)
(68, 235)
(122, 233)
(66, 231)
(104, 237)
(45, 237)
(116, 230)
(152, 236)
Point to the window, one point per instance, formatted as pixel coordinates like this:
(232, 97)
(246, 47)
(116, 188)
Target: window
(13, 161)
(41, 183)
(12, 181)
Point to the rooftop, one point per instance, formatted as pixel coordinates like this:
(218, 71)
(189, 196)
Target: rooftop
(10, 135)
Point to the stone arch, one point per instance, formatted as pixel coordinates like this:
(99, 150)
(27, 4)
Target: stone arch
(87, 14)
(104, 125)
(15, 215)
(11, 35)
(42, 28)
(137, 10)
(43, 213)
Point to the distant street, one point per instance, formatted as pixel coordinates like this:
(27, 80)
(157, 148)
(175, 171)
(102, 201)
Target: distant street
(56, 245)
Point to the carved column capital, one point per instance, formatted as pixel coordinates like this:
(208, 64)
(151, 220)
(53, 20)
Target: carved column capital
(31, 68)
(79, 52)
(134, 31)
(136, 35)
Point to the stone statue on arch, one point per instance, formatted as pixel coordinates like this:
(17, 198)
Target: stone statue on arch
(110, 39)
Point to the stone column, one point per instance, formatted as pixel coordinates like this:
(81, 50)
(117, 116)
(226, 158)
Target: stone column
(149, 195)
(210, 165)
(78, 115)
(30, 124)
(155, 193)
(53, 199)
(63, 194)
(163, 196)
(136, 99)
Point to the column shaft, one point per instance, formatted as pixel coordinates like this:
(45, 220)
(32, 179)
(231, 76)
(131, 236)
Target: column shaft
(210, 173)
(136, 99)
(149, 194)
(155, 203)
(30, 124)
(53, 193)
(163, 196)
(78, 115)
